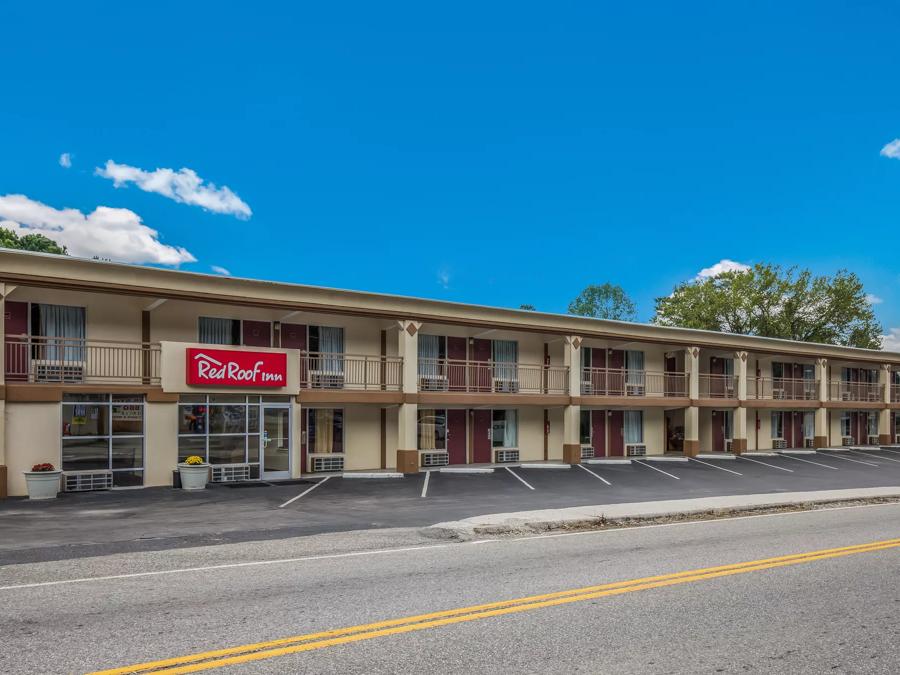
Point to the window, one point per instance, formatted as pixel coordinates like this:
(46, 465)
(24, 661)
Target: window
(634, 368)
(326, 340)
(104, 432)
(728, 423)
(63, 327)
(504, 429)
(221, 428)
(327, 367)
(432, 348)
(777, 425)
(634, 427)
(873, 424)
(505, 355)
(809, 425)
(585, 427)
(214, 331)
(432, 429)
(325, 430)
(845, 424)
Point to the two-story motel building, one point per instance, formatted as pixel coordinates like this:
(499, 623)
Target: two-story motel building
(110, 372)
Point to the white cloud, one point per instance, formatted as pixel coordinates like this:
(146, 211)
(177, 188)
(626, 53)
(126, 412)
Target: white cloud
(183, 186)
(873, 299)
(443, 278)
(65, 160)
(724, 265)
(218, 269)
(117, 234)
(891, 341)
(891, 150)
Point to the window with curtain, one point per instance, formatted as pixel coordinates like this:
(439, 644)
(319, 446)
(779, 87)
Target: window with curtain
(634, 367)
(873, 424)
(728, 423)
(585, 427)
(634, 426)
(325, 430)
(777, 425)
(215, 331)
(63, 328)
(505, 428)
(845, 424)
(432, 348)
(505, 355)
(809, 425)
(432, 429)
(329, 342)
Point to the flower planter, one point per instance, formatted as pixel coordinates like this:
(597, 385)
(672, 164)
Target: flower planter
(42, 484)
(193, 476)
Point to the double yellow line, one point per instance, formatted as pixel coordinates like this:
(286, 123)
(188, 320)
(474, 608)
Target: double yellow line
(303, 643)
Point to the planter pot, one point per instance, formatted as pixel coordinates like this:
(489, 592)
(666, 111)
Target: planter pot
(42, 484)
(193, 476)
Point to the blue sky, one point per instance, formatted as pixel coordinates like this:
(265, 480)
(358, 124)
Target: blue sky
(482, 152)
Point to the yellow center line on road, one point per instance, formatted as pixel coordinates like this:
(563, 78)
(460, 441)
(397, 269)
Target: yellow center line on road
(301, 643)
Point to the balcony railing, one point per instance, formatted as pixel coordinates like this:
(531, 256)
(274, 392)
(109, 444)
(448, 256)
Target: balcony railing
(782, 388)
(319, 370)
(841, 390)
(492, 377)
(57, 360)
(895, 393)
(621, 382)
(718, 386)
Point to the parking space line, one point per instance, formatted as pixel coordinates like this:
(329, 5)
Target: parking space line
(636, 461)
(720, 468)
(305, 492)
(595, 475)
(425, 484)
(891, 451)
(809, 461)
(519, 477)
(869, 454)
(774, 466)
(848, 459)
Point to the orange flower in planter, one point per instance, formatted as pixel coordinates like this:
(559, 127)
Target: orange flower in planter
(46, 466)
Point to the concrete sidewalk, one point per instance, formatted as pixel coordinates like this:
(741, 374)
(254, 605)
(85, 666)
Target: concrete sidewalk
(553, 519)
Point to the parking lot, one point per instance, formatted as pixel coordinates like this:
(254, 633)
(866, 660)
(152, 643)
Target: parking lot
(77, 525)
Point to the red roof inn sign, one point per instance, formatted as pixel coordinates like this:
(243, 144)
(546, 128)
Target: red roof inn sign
(228, 368)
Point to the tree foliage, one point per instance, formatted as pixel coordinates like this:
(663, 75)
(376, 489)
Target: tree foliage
(527, 307)
(606, 301)
(30, 242)
(769, 301)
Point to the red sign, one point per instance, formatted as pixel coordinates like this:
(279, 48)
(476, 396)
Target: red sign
(227, 368)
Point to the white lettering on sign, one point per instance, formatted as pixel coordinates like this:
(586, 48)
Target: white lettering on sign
(209, 368)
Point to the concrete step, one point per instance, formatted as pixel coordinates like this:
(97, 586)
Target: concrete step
(606, 460)
(372, 474)
(715, 455)
(663, 458)
(544, 465)
(466, 469)
(757, 453)
(796, 452)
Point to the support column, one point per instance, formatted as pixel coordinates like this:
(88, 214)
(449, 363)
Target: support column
(572, 413)
(884, 415)
(3, 479)
(739, 435)
(692, 413)
(407, 412)
(822, 431)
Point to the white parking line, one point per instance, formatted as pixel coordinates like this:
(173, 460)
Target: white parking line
(774, 466)
(655, 469)
(595, 475)
(891, 451)
(425, 484)
(869, 454)
(809, 461)
(519, 477)
(848, 459)
(305, 492)
(720, 468)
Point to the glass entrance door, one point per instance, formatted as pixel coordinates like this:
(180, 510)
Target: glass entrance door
(276, 443)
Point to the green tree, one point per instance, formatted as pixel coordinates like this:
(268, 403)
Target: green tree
(606, 301)
(30, 242)
(526, 306)
(769, 301)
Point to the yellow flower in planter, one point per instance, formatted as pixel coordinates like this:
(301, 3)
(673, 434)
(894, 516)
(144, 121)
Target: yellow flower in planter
(194, 460)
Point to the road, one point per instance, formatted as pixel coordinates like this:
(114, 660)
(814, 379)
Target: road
(837, 611)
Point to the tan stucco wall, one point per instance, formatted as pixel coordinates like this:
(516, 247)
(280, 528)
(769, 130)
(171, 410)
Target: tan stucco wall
(160, 443)
(363, 437)
(33, 435)
(555, 441)
(654, 431)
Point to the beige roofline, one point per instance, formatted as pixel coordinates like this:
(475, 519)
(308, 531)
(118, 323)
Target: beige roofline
(67, 272)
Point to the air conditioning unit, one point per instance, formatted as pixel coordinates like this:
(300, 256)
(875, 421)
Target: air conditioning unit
(432, 383)
(83, 481)
(435, 459)
(634, 390)
(847, 440)
(230, 473)
(728, 443)
(327, 462)
(873, 440)
(779, 444)
(587, 452)
(506, 455)
(897, 439)
(506, 386)
(809, 443)
(57, 371)
(845, 396)
(778, 394)
(636, 450)
(326, 380)
(587, 387)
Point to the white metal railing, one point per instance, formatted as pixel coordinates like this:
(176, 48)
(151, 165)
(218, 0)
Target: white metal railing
(841, 390)
(624, 382)
(319, 370)
(497, 377)
(714, 385)
(783, 388)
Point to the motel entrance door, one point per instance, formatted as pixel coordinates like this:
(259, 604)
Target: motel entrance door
(275, 442)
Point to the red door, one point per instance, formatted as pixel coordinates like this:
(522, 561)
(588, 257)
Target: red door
(798, 429)
(456, 436)
(598, 432)
(718, 430)
(456, 369)
(293, 336)
(674, 383)
(599, 383)
(481, 436)
(257, 333)
(717, 384)
(15, 322)
(481, 376)
(616, 377)
(616, 442)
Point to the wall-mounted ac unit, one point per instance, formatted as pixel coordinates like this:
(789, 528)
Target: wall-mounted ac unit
(779, 444)
(845, 396)
(83, 481)
(57, 371)
(587, 387)
(809, 443)
(432, 383)
(635, 450)
(327, 462)
(634, 390)
(435, 459)
(846, 440)
(230, 473)
(873, 440)
(897, 438)
(778, 394)
(506, 455)
(506, 386)
(327, 380)
(587, 452)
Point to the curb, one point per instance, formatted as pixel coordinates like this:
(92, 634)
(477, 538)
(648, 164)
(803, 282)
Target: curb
(387, 474)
